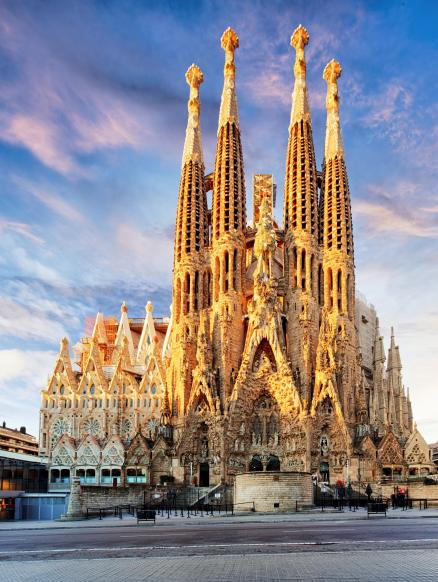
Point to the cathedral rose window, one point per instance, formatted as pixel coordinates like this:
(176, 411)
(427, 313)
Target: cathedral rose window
(92, 426)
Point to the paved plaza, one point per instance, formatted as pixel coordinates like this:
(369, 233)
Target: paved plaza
(313, 546)
(359, 565)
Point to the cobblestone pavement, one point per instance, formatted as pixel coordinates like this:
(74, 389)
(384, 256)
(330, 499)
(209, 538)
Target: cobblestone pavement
(360, 566)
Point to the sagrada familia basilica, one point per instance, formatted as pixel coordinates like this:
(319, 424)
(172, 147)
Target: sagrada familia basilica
(269, 360)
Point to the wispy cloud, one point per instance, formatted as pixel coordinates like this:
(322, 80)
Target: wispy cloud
(269, 89)
(24, 322)
(391, 220)
(24, 230)
(150, 251)
(22, 374)
(390, 210)
(29, 365)
(60, 112)
(51, 200)
(390, 113)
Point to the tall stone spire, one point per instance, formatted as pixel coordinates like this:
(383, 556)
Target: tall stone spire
(191, 262)
(336, 225)
(395, 384)
(394, 361)
(302, 254)
(300, 193)
(337, 245)
(336, 212)
(228, 229)
(380, 414)
(191, 222)
(229, 213)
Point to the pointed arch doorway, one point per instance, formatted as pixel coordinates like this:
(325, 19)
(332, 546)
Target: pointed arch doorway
(204, 475)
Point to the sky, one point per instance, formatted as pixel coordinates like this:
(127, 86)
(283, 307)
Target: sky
(93, 106)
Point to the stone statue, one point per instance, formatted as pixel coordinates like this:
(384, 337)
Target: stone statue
(324, 444)
(264, 244)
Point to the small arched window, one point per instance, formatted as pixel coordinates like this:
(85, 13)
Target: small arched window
(62, 390)
(92, 390)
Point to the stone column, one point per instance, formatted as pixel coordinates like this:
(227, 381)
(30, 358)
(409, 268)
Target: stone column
(74, 512)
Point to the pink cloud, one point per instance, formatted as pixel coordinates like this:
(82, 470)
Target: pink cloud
(49, 199)
(394, 221)
(39, 136)
(24, 230)
(56, 111)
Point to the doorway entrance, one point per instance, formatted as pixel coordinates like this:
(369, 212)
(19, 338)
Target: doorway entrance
(204, 475)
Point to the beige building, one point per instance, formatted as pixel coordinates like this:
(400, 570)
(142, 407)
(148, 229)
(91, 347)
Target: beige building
(267, 361)
(17, 441)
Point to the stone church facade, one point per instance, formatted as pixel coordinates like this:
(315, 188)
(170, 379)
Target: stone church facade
(269, 360)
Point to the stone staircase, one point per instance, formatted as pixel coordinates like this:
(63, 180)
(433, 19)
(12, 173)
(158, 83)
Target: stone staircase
(191, 495)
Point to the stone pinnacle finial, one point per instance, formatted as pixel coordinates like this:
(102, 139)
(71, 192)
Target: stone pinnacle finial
(333, 140)
(194, 76)
(229, 42)
(298, 40)
(192, 145)
(332, 71)
(331, 74)
(300, 103)
(300, 37)
(124, 308)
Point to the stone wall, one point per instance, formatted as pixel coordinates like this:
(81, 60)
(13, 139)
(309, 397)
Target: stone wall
(415, 491)
(273, 491)
(110, 496)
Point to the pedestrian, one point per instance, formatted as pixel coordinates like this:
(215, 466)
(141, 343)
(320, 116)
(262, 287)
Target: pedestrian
(369, 491)
(349, 494)
(341, 496)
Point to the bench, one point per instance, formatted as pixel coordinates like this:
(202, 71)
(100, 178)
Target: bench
(376, 507)
(146, 515)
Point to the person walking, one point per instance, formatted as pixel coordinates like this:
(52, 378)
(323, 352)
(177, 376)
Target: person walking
(369, 492)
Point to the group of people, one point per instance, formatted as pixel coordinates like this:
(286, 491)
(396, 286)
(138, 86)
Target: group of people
(342, 494)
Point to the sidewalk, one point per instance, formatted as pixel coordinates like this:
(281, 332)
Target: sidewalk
(239, 518)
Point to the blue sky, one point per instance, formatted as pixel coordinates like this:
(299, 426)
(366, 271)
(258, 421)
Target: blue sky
(92, 120)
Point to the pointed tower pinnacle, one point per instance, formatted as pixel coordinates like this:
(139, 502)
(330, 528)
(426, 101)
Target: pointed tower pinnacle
(228, 110)
(191, 222)
(394, 360)
(300, 212)
(379, 348)
(229, 212)
(336, 227)
(300, 192)
(333, 138)
(300, 104)
(192, 145)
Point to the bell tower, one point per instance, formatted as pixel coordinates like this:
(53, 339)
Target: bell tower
(191, 273)
(228, 230)
(336, 232)
(302, 268)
